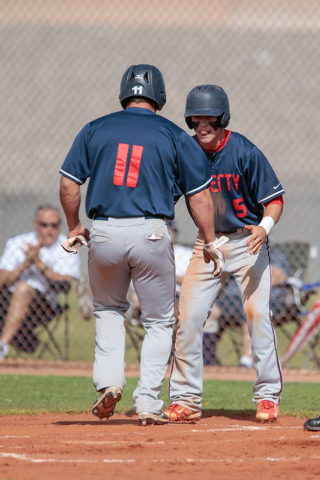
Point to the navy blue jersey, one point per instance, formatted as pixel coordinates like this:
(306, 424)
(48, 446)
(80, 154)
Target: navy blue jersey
(242, 181)
(134, 158)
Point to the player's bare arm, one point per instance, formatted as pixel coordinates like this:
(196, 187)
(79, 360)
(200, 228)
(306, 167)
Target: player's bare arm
(70, 199)
(258, 232)
(202, 210)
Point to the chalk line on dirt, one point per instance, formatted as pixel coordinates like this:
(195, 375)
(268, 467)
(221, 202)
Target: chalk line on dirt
(236, 428)
(24, 457)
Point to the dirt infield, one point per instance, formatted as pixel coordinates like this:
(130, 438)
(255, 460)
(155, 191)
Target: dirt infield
(69, 446)
(62, 446)
(84, 369)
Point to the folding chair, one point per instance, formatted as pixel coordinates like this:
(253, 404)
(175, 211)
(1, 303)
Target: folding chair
(42, 332)
(293, 308)
(57, 348)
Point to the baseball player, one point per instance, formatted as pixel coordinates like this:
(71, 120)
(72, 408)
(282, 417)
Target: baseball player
(247, 196)
(134, 158)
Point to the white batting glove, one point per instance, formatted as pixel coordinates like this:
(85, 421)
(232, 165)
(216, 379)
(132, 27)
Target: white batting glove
(72, 245)
(212, 253)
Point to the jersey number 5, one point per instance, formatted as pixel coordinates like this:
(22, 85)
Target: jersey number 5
(241, 209)
(121, 163)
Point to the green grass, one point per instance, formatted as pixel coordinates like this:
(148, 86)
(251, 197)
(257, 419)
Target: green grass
(37, 394)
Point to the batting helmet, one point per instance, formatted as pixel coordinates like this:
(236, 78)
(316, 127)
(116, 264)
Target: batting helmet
(208, 100)
(145, 81)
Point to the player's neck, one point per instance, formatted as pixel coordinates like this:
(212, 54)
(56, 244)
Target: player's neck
(215, 143)
(141, 105)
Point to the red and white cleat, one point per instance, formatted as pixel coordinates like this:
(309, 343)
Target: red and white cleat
(177, 413)
(267, 411)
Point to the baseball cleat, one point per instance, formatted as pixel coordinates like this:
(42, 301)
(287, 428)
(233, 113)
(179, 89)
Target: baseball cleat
(178, 413)
(267, 411)
(104, 406)
(149, 418)
(312, 424)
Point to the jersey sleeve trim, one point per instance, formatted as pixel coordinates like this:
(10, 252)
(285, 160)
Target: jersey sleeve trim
(66, 174)
(276, 194)
(196, 190)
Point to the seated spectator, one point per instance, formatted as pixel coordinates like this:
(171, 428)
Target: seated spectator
(228, 311)
(31, 276)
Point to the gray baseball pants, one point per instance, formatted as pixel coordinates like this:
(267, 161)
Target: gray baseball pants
(198, 292)
(120, 250)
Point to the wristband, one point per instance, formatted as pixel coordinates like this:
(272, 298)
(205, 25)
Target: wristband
(267, 223)
(43, 267)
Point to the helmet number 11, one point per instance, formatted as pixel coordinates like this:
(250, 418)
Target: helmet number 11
(137, 90)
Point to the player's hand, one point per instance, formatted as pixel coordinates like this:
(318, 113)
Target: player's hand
(256, 239)
(211, 254)
(79, 230)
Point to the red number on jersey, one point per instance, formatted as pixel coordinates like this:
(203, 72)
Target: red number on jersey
(121, 163)
(242, 209)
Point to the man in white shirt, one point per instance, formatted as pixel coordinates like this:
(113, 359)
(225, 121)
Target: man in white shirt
(30, 272)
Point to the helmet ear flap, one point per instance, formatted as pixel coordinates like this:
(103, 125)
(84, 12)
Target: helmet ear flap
(162, 100)
(224, 120)
(189, 122)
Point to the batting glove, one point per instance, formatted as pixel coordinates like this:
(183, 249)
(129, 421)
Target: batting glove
(212, 253)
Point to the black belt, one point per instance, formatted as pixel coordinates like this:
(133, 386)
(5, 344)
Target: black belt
(239, 230)
(162, 217)
(102, 217)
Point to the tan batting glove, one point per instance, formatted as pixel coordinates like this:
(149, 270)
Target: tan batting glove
(212, 253)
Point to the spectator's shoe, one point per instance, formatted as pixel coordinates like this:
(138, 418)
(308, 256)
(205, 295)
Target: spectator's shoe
(104, 406)
(312, 424)
(267, 411)
(149, 418)
(177, 413)
(245, 361)
(4, 350)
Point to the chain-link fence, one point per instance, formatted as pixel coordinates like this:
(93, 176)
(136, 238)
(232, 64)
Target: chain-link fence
(61, 65)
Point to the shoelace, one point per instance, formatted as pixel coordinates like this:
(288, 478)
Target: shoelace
(173, 406)
(267, 404)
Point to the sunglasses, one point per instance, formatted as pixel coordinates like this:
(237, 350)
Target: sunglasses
(46, 225)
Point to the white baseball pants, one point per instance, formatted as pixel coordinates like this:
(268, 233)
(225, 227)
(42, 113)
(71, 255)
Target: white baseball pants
(139, 249)
(198, 292)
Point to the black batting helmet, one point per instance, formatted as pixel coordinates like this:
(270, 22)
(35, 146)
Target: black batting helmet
(208, 100)
(145, 81)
